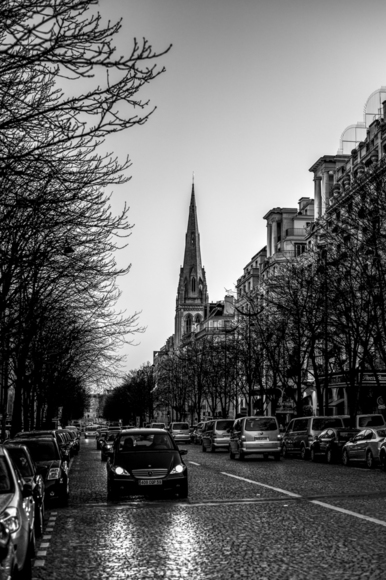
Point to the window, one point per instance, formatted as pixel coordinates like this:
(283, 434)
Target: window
(188, 324)
(193, 284)
(300, 249)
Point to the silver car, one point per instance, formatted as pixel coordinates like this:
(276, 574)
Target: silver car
(364, 447)
(255, 435)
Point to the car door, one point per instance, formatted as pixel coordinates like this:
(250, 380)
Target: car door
(358, 443)
(362, 450)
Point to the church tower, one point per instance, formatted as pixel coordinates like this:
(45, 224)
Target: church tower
(192, 293)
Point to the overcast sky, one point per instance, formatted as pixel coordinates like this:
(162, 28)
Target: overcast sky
(254, 93)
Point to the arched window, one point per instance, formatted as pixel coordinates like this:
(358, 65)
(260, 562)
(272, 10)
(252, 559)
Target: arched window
(188, 324)
(193, 284)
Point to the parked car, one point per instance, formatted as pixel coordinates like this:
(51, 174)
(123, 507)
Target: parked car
(329, 443)
(100, 437)
(362, 421)
(302, 431)
(17, 513)
(146, 460)
(217, 435)
(107, 445)
(45, 453)
(157, 426)
(196, 436)
(33, 476)
(364, 447)
(72, 440)
(255, 435)
(180, 432)
(60, 437)
(382, 455)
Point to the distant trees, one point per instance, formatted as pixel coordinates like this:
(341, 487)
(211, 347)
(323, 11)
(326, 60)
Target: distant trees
(58, 234)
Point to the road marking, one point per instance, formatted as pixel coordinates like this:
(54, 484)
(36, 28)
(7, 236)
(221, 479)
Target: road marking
(261, 484)
(350, 513)
(194, 463)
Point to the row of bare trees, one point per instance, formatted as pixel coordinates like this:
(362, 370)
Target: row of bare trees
(314, 322)
(63, 91)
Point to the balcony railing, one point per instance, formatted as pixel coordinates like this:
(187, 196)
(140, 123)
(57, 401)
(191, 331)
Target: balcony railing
(298, 232)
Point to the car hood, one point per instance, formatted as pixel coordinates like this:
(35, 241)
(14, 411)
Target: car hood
(165, 459)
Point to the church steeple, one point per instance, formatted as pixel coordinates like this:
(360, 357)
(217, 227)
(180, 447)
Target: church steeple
(192, 290)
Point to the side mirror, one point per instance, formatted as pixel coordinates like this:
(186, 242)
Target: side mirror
(183, 451)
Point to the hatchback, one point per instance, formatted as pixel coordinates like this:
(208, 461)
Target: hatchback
(33, 476)
(364, 447)
(146, 460)
(17, 512)
(255, 435)
(302, 431)
(217, 435)
(330, 442)
(180, 432)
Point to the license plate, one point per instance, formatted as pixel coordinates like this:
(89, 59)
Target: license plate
(261, 438)
(150, 482)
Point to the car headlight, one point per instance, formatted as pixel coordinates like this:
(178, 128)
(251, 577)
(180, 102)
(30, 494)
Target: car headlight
(11, 519)
(119, 470)
(54, 473)
(178, 468)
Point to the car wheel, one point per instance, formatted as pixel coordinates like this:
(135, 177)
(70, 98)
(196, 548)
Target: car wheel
(277, 457)
(383, 461)
(284, 451)
(313, 454)
(345, 458)
(369, 460)
(183, 491)
(242, 456)
(231, 454)
(203, 449)
(303, 452)
(39, 520)
(212, 448)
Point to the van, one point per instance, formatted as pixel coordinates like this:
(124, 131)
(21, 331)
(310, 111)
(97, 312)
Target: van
(363, 421)
(302, 431)
(255, 435)
(180, 432)
(216, 435)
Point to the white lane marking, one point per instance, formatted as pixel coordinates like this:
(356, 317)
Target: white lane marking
(194, 463)
(350, 513)
(261, 484)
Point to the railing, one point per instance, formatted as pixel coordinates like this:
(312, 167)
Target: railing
(301, 232)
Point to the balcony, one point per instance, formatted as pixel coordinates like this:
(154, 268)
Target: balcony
(295, 232)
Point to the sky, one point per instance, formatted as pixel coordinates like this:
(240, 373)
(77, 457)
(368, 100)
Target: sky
(254, 93)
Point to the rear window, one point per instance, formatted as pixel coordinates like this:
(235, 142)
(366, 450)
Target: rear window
(261, 424)
(346, 435)
(180, 426)
(149, 442)
(320, 423)
(223, 425)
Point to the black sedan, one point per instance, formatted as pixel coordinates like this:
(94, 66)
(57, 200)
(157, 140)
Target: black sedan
(33, 476)
(45, 453)
(329, 443)
(144, 461)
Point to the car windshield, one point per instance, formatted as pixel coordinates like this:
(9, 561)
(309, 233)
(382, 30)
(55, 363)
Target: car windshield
(20, 460)
(145, 442)
(261, 424)
(5, 476)
(42, 450)
(158, 425)
(224, 425)
(180, 426)
(320, 423)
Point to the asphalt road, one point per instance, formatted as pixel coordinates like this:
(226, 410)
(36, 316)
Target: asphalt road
(253, 519)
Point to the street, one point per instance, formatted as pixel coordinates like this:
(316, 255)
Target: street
(255, 519)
